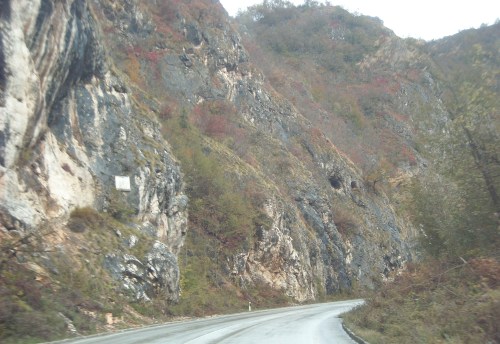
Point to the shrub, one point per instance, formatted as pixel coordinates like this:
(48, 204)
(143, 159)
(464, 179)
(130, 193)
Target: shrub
(212, 118)
(166, 112)
(22, 308)
(133, 69)
(83, 218)
(118, 206)
(346, 222)
(433, 302)
(487, 271)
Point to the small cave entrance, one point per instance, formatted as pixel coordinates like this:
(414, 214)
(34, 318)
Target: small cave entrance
(335, 182)
(259, 233)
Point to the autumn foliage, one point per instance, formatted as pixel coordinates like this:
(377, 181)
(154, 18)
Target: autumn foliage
(213, 118)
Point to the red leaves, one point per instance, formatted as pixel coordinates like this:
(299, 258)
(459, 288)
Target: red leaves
(212, 118)
(153, 56)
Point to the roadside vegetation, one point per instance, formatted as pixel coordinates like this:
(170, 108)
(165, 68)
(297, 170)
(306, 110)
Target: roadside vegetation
(48, 294)
(438, 301)
(453, 294)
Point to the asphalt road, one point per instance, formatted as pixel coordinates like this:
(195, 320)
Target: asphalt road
(315, 324)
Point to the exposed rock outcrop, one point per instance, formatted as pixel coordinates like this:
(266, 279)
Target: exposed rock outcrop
(72, 124)
(303, 253)
(157, 275)
(69, 126)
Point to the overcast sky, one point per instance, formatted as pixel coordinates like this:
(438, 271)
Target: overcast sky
(427, 19)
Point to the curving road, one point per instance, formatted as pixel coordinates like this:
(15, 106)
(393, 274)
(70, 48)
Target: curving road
(315, 324)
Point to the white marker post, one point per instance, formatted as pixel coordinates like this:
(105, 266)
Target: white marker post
(249, 306)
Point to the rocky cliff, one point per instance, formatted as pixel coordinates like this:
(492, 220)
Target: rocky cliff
(69, 126)
(302, 252)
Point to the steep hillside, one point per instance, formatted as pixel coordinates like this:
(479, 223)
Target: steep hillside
(375, 96)
(420, 119)
(350, 76)
(434, 302)
(466, 155)
(217, 104)
(453, 295)
(268, 169)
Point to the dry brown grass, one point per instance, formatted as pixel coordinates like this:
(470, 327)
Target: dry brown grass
(436, 302)
(346, 222)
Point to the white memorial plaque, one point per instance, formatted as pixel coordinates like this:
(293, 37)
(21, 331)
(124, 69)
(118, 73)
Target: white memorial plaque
(122, 183)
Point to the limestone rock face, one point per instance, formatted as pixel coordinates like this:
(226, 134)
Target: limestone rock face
(163, 271)
(68, 126)
(303, 253)
(157, 275)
